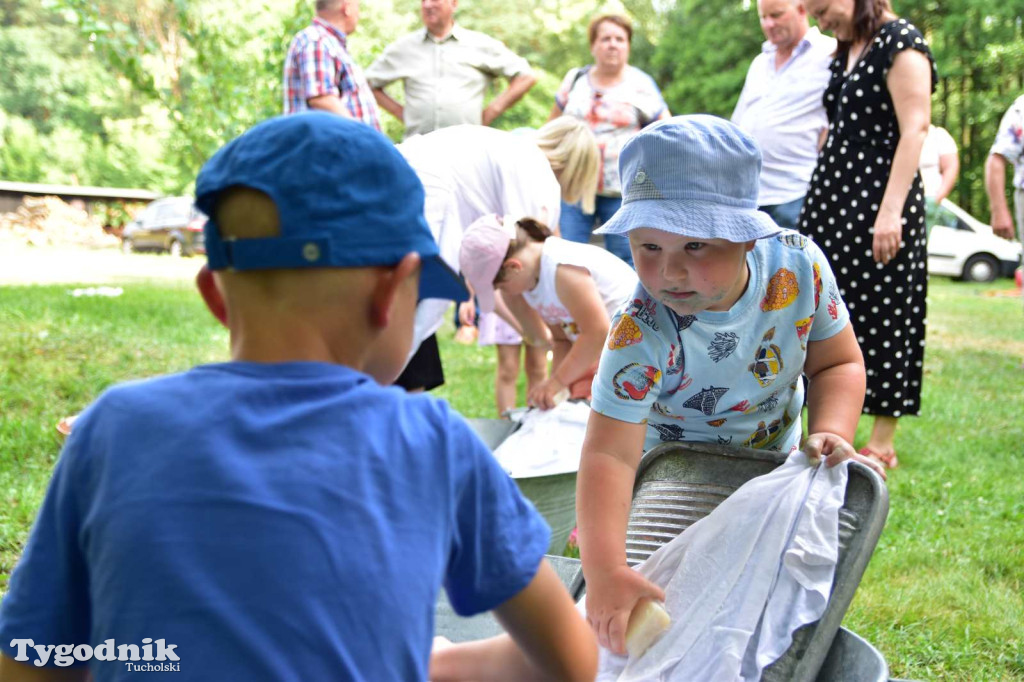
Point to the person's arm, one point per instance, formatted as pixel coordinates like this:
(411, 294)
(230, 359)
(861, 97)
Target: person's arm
(556, 111)
(546, 640)
(909, 84)
(524, 318)
(836, 384)
(385, 70)
(518, 86)
(835, 395)
(822, 136)
(949, 169)
(604, 491)
(331, 103)
(16, 671)
(995, 187)
(318, 74)
(577, 290)
(389, 103)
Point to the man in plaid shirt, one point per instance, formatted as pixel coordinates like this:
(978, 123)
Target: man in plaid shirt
(319, 73)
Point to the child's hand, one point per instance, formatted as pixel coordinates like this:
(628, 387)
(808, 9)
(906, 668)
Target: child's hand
(467, 313)
(835, 450)
(546, 394)
(611, 597)
(546, 341)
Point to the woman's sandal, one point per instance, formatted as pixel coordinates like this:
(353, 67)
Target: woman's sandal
(889, 461)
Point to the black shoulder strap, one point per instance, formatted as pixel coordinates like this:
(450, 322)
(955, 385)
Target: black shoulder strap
(580, 73)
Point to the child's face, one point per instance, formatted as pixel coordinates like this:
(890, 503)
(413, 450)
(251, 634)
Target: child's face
(514, 278)
(690, 275)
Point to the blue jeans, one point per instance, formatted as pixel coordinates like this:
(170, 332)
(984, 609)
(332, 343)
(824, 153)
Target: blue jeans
(576, 226)
(785, 215)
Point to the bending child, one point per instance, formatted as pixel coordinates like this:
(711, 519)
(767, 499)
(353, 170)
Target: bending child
(553, 287)
(301, 521)
(730, 311)
(469, 171)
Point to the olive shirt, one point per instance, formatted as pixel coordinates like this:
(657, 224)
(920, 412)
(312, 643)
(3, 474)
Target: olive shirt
(444, 78)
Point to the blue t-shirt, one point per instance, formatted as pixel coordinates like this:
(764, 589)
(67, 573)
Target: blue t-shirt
(290, 521)
(724, 377)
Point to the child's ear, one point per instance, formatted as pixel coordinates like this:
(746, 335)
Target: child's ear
(751, 244)
(211, 294)
(389, 285)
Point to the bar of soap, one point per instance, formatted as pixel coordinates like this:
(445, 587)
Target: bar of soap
(647, 622)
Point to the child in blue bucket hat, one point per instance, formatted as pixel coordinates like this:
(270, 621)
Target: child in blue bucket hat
(285, 515)
(730, 311)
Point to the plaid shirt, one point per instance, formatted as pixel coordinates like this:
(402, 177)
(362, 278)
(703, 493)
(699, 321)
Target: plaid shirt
(318, 63)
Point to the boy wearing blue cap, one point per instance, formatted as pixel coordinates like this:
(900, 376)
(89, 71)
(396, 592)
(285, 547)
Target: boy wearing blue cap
(730, 311)
(284, 515)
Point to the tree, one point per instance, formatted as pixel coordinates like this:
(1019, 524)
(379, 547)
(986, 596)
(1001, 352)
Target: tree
(979, 54)
(703, 55)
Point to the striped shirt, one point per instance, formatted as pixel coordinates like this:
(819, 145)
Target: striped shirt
(318, 63)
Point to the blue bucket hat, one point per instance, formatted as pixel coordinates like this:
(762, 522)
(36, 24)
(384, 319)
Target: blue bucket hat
(695, 176)
(344, 195)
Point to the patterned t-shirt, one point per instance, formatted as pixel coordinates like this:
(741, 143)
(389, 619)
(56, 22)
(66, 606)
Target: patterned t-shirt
(724, 377)
(614, 114)
(1009, 141)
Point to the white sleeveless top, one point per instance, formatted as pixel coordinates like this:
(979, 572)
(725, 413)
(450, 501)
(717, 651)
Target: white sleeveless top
(615, 280)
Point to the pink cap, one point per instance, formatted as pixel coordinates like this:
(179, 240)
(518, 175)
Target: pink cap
(484, 245)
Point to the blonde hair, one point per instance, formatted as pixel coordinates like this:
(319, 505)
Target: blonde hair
(572, 151)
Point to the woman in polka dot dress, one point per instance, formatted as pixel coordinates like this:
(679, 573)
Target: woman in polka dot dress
(865, 204)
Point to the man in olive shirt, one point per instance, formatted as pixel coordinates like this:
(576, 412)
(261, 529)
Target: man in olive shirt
(445, 70)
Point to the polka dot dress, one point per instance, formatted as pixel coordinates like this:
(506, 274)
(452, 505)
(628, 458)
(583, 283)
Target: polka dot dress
(887, 303)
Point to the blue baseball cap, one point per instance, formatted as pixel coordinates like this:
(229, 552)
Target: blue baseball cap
(345, 198)
(695, 176)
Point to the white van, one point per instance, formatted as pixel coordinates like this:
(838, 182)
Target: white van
(961, 246)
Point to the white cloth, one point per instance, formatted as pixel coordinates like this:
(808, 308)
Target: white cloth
(547, 443)
(783, 111)
(468, 171)
(614, 279)
(740, 581)
(937, 144)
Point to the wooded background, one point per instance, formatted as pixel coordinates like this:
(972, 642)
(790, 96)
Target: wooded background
(139, 93)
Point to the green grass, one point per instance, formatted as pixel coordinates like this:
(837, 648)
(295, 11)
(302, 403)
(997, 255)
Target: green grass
(942, 597)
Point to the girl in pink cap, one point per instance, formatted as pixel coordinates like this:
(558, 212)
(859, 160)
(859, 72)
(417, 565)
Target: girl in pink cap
(561, 294)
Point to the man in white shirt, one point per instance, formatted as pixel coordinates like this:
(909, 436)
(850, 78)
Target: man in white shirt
(445, 70)
(781, 106)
